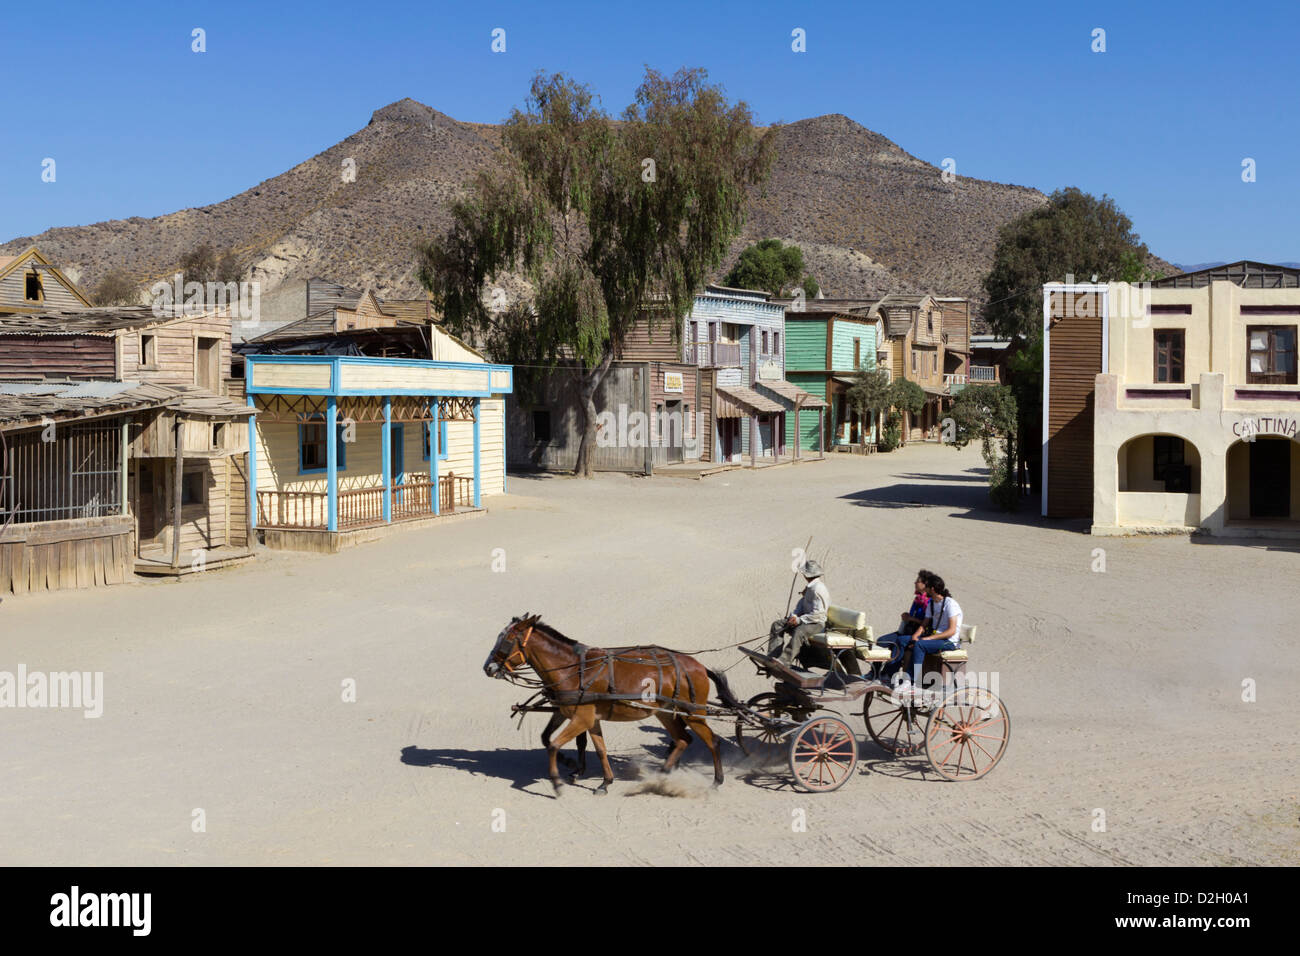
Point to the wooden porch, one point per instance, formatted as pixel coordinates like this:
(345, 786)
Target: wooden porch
(364, 507)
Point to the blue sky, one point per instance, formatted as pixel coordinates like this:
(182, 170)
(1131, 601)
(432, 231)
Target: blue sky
(139, 125)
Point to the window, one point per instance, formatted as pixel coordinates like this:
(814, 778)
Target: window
(442, 441)
(857, 353)
(32, 290)
(218, 435)
(1271, 354)
(929, 322)
(148, 351)
(541, 424)
(776, 343)
(913, 360)
(313, 449)
(1168, 455)
(764, 341)
(1169, 355)
(193, 488)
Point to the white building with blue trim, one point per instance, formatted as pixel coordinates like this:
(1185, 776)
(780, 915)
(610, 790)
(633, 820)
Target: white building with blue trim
(345, 444)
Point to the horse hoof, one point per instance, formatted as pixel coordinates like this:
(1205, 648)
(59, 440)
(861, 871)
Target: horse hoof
(573, 779)
(555, 785)
(600, 791)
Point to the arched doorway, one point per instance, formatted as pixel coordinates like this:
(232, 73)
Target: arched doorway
(1158, 482)
(1264, 479)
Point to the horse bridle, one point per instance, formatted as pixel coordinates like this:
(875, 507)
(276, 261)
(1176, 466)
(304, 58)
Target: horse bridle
(518, 649)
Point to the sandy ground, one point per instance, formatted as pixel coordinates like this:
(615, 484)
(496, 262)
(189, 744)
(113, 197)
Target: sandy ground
(223, 691)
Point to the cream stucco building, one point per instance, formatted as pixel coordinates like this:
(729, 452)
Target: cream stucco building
(1189, 387)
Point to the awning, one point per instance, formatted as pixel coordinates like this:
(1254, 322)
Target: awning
(791, 393)
(845, 380)
(737, 401)
(937, 392)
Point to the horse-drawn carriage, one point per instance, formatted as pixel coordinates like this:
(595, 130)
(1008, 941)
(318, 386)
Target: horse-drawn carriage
(962, 728)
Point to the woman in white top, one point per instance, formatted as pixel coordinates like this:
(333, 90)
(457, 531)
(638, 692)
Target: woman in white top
(943, 618)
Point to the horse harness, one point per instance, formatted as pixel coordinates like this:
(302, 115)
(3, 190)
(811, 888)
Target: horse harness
(590, 672)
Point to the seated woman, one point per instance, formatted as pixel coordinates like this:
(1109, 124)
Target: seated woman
(944, 624)
(910, 623)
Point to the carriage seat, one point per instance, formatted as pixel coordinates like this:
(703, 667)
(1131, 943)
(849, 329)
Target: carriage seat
(965, 636)
(847, 629)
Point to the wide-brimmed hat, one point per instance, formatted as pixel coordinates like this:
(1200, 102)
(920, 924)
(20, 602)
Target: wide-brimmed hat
(811, 569)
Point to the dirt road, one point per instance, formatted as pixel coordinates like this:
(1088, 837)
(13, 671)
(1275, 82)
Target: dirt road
(224, 693)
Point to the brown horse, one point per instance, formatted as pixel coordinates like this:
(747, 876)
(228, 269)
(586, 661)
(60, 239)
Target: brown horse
(591, 684)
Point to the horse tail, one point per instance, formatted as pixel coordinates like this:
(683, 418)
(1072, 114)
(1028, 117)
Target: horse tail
(724, 691)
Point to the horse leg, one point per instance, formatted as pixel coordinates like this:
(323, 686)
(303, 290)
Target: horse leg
(553, 725)
(681, 739)
(581, 721)
(582, 755)
(711, 742)
(598, 738)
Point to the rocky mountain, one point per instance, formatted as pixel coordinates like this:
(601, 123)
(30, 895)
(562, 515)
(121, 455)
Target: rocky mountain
(870, 217)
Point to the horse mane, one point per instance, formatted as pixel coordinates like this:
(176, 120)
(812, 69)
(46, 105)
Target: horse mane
(548, 630)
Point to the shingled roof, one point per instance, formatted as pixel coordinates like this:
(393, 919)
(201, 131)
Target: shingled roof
(29, 403)
(96, 321)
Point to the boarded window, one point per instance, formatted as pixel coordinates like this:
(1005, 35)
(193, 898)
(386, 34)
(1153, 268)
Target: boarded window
(1271, 354)
(1169, 355)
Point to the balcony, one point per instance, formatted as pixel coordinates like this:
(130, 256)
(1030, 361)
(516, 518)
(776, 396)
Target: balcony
(712, 354)
(984, 375)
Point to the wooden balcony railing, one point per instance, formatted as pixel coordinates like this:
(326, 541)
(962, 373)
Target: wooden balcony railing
(712, 354)
(983, 375)
(362, 507)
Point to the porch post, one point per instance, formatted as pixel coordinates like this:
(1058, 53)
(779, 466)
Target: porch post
(434, 452)
(126, 445)
(798, 435)
(387, 452)
(176, 492)
(252, 467)
(753, 441)
(478, 465)
(332, 464)
(821, 432)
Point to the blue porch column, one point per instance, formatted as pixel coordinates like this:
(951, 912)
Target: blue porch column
(387, 452)
(332, 464)
(434, 452)
(252, 464)
(478, 465)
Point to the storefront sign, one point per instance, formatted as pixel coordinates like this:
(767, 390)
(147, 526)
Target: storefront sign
(1249, 427)
(673, 382)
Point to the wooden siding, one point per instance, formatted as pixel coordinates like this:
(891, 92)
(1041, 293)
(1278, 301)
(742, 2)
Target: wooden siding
(56, 296)
(649, 341)
(433, 380)
(805, 345)
(288, 375)
(57, 356)
(844, 335)
(444, 348)
(706, 399)
(808, 417)
(1074, 361)
(76, 553)
(176, 346)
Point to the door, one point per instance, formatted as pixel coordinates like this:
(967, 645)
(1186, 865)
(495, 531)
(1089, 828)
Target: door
(673, 431)
(1270, 478)
(397, 461)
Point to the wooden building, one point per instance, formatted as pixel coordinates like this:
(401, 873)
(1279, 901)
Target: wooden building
(709, 386)
(346, 446)
(183, 454)
(29, 283)
(1175, 404)
(824, 350)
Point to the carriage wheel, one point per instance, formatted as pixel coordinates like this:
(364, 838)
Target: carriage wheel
(823, 753)
(765, 744)
(892, 726)
(968, 733)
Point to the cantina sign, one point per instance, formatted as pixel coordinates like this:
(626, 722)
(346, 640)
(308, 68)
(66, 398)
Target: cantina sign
(1248, 427)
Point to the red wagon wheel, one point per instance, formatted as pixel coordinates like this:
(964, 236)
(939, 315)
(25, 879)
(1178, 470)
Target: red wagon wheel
(893, 726)
(766, 744)
(823, 754)
(967, 734)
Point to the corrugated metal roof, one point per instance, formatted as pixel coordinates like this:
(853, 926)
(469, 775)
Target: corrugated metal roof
(792, 393)
(98, 321)
(27, 403)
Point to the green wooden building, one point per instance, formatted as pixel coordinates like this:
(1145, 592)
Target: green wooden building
(824, 348)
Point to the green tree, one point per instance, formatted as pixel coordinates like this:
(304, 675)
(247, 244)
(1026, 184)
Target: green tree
(988, 413)
(607, 223)
(871, 394)
(773, 267)
(1074, 234)
(203, 264)
(906, 396)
